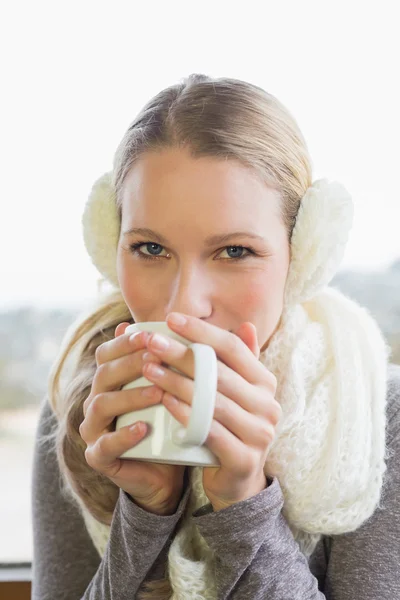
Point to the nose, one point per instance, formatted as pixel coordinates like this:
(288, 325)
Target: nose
(191, 293)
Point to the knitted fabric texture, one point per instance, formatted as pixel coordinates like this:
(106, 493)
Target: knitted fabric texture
(329, 451)
(330, 360)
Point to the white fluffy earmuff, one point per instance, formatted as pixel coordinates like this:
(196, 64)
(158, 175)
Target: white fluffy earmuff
(319, 238)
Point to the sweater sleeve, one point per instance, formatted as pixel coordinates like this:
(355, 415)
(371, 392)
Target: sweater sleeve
(368, 560)
(257, 556)
(66, 564)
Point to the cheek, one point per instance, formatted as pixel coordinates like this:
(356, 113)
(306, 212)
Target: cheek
(125, 281)
(260, 301)
(252, 296)
(132, 283)
(258, 293)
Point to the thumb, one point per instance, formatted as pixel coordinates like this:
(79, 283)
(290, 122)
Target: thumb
(248, 334)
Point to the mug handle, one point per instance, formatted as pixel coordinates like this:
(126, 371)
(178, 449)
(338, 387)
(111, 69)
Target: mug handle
(203, 402)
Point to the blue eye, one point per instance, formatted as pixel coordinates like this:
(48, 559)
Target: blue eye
(135, 251)
(135, 246)
(236, 248)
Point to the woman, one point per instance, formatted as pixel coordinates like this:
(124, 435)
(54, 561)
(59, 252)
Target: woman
(306, 427)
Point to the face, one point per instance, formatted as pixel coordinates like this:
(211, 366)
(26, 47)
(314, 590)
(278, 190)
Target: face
(185, 201)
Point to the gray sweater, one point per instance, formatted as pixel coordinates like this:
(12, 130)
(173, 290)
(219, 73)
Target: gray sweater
(257, 556)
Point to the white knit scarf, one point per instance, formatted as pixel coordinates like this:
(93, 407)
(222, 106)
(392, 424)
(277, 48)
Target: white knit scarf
(330, 359)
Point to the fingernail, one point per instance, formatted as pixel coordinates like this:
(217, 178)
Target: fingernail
(154, 371)
(135, 336)
(137, 428)
(159, 342)
(177, 319)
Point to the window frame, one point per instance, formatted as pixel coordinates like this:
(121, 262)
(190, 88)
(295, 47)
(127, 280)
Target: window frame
(16, 581)
(15, 572)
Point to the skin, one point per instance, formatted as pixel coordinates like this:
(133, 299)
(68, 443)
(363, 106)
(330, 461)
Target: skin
(186, 200)
(231, 305)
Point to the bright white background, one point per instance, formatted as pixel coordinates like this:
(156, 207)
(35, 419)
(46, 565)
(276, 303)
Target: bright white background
(75, 74)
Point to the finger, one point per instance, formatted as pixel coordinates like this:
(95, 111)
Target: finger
(228, 347)
(247, 332)
(249, 426)
(238, 458)
(114, 374)
(175, 354)
(180, 357)
(105, 407)
(120, 328)
(120, 346)
(238, 451)
(103, 456)
(177, 384)
(229, 383)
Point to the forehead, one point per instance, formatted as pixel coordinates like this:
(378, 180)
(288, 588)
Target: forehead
(171, 182)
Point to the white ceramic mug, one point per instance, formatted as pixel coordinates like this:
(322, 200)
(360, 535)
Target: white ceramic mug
(168, 441)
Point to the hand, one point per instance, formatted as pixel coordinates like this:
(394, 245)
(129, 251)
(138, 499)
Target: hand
(246, 412)
(155, 487)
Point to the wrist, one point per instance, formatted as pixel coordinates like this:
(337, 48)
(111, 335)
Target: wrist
(219, 503)
(162, 512)
(163, 509)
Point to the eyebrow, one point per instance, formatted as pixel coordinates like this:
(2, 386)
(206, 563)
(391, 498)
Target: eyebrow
(211, 240)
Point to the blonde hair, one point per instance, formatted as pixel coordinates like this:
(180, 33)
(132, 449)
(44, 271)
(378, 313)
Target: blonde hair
(224, 118)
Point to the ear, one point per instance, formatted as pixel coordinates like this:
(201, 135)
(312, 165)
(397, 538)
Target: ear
(248, 334)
